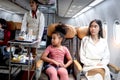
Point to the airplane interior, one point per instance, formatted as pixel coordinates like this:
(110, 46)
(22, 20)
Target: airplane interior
(77, 16)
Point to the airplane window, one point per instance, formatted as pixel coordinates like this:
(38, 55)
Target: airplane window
(116, 31)
(105, 28)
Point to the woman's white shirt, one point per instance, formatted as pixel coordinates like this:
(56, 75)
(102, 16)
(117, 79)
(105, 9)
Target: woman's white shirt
(92, 54)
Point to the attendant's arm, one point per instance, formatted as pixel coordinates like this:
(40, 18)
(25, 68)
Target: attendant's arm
(41, 26)
(24, 23)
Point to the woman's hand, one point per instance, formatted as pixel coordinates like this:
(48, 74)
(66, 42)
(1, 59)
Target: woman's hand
(99, 64)
(38, 39)
(20, 38)
(1, 40)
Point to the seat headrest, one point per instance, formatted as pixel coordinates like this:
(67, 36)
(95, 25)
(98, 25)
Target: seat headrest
(18, 25)
(82, 32)
(11, 25)
(71, 32)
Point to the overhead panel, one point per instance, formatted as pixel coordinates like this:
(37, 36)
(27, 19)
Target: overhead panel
(68, 8)
(76, 6)
(48, 7)
(63, 6)
(23, 3)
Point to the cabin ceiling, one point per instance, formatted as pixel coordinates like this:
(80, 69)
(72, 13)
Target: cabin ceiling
(68, 8)
(11, 7)
(63, 8)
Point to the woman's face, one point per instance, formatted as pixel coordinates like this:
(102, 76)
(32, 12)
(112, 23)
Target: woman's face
(94, 29)
(0, 26)
(56, 40)
(33, 5)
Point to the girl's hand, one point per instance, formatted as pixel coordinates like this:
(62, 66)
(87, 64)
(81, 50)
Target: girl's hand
(57, 64)
(62, 65)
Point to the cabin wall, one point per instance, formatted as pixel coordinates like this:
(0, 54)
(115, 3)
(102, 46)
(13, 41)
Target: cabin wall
(10, 16)
(70, 21)
(108, 12)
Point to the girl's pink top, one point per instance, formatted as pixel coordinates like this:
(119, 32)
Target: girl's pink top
(57, 54)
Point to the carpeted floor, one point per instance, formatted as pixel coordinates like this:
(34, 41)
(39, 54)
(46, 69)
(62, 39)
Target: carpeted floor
(3, 76)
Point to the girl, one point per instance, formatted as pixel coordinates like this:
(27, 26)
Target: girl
(56, 53)
(95, 53)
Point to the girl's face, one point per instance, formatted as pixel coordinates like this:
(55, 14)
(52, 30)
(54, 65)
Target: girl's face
(33, 5)
(56, 40)
(94, 29)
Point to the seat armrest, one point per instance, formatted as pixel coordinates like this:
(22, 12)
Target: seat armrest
(77, 69)
(39, 63)
(113, 68)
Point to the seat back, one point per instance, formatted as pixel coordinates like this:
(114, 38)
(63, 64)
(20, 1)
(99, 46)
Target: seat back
(13, 27)
(82, 32)
(69, 41)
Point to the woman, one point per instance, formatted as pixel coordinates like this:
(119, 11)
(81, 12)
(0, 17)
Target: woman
(4, 38)
(33, 21)
(95, 53)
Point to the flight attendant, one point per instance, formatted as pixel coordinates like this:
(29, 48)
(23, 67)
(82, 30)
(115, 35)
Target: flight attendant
(34, 21)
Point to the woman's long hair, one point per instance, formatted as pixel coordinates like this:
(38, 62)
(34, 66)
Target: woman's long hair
(100, 34)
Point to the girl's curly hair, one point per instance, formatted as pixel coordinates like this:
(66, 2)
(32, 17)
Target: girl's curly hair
(61, 29)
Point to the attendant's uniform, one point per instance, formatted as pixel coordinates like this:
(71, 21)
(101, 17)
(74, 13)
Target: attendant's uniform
(34, 21)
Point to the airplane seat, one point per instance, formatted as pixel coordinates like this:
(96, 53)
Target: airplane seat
(18, 25)
(81, 32)
(75, 68)
(12, 27)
